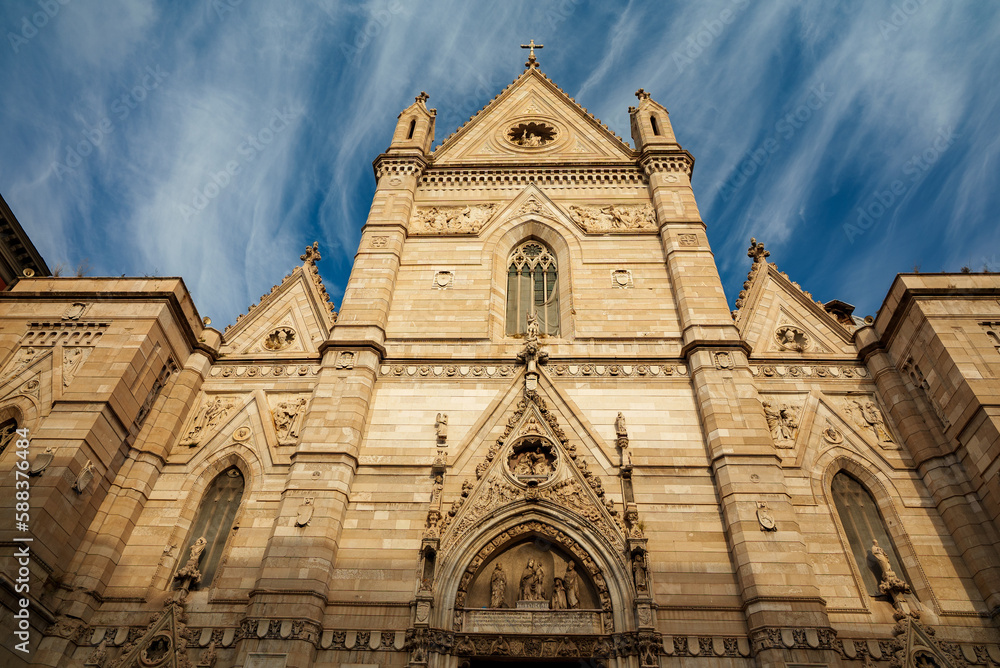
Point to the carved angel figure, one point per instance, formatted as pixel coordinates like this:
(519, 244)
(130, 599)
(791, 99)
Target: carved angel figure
(558, 595)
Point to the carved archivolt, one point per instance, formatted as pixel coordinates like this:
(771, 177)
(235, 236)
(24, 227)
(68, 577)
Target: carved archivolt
(452, 219)
(537, 528)
(614, 217)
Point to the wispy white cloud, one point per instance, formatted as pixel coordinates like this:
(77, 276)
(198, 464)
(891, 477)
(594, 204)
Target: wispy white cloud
(729, 72)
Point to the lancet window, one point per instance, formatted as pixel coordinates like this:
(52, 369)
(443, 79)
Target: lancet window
(214, 522)
(863, 523)
(532, 286)
(8, 433)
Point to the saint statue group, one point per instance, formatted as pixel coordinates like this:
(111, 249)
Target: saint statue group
(565, 591)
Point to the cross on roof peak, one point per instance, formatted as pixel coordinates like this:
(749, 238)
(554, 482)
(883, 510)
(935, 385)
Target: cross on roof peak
(532, 62)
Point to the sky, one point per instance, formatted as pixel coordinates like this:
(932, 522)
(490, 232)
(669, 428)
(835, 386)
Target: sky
(856, 140)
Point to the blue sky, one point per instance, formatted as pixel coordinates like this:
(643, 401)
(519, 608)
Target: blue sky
(855, 139)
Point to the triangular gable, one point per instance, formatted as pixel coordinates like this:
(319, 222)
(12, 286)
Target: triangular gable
(531, 201)
(532, 103)
(164, 644)
(294, 318)
(530, 462)
(779, 320)
(823, 425)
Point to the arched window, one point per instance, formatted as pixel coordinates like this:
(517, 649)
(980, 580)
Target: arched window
(214, 522)
(413, 125)
(532, 286)
(863, 523)
(652, 122)
(8, 432)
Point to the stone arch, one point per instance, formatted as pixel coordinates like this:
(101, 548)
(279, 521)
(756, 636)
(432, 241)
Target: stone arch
(605, 568)
(195, 486)
(887, 498)
(24, 410)
(499, 244)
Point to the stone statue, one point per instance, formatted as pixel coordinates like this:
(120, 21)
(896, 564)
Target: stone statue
(782, 422)
(527, 582)
(620, 429)
(441, 426)
(559, 595)
(190, 575)
(537, 583)
(572, 583)
(532, 327)
(873, 416)
(286, 418)
(883, 561)
(498, 588)
(639, 572)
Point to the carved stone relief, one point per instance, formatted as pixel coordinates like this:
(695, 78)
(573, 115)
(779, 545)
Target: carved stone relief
(613, 217)
(73, 359)
(867, 415)
(532, 460)
(792, 338)
(452, 219)
(379, 242)
(688, 240)
(84, 478)
(531, 134)
(208, 417)
(444, 280)
(621, 278)
(74, 311)
(764, 518)
(305, 512)
(24, 358)
(782, 421)
(287, 416)
(345, 360)
(279, 339)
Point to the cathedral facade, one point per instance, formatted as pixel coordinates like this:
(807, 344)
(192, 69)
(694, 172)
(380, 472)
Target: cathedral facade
(534, 432)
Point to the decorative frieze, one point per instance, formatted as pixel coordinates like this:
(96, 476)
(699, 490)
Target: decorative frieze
(639, 370)
(264, 371)
(452, 219)
(449, 370)
(519, 178)
(816, 371)
(614, 218)
(67, 333)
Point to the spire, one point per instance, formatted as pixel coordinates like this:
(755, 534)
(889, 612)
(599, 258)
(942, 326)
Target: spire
(532, 62)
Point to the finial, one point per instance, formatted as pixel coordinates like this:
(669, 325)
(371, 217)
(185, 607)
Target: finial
(423, 97)
(531, 54)
(642, 95)
(757, 252)
(312, 254)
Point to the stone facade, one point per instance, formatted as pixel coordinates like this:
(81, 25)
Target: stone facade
(639, 478)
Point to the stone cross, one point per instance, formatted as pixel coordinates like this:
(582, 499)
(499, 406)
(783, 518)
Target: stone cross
(531, 54)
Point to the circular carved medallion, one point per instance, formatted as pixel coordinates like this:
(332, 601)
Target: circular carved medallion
(792, 338)
(531, 134)
(532, 461)
(279, 339)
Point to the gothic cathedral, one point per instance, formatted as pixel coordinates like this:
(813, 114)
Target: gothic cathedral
(535, 432)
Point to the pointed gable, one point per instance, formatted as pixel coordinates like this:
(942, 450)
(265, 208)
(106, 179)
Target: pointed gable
(292, 320)
(534, 121)
(778, 319)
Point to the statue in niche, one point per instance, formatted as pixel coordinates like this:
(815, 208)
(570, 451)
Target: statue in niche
(559, 595)
(286, 419)
(498, 588)
(526, 591)
(792, 338)
(783, 423)
(538, 594)
(571, 581)
(639, 572)
(279, 339)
